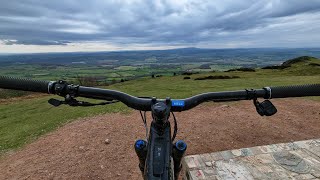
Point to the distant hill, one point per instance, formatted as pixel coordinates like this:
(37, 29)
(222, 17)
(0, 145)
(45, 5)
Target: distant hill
(302, 66)
(302, 59)
(298, 60)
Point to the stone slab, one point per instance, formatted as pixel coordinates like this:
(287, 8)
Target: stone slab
(294, 160)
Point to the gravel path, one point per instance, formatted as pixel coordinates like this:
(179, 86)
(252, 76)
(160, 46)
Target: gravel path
(79, 151)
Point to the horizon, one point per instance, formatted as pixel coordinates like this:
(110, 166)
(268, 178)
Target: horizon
(123, 51)
(105, 26)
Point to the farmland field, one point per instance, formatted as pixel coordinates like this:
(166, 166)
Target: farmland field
(102, 74)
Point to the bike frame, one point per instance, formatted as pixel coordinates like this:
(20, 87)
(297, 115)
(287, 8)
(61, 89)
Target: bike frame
(159, 160)
(159, 149)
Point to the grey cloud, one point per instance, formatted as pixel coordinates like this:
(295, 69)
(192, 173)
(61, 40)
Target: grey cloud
(160, 22)
(287, 8)
(35, 42)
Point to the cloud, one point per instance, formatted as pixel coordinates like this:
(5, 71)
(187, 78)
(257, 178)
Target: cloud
(34, 42)
(161, 22)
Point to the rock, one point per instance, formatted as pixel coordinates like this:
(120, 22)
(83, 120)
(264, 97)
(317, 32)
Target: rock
(107, 141)
(225, 106)
(208, 164)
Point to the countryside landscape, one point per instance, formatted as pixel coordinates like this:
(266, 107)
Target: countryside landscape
(109, 67)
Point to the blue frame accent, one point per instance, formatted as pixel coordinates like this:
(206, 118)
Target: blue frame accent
(177, 103)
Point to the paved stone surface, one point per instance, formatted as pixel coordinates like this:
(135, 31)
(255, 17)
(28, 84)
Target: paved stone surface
(295, 160)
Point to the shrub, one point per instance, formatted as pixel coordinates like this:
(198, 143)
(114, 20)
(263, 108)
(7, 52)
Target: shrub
(216, 77)
(314, 64)
(190, 73)
(275, 67)
(242, 69)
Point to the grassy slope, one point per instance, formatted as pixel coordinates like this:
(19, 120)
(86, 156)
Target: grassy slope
(22, 122)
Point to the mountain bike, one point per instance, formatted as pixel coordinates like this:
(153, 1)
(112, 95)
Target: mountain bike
(159, 155)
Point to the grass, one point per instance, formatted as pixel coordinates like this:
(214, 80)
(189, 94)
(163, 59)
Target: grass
(6, 94)
(176, 87)
(126, 68)
(21, 122)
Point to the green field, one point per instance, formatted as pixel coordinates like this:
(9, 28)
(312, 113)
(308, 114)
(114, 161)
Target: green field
(103, 74)
(24, 121)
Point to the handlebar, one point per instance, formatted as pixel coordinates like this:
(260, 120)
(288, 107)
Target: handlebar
(144, 104)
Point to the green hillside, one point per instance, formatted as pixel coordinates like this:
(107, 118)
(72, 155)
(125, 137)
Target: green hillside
(22, 121)
(299, 60)
(302, 66)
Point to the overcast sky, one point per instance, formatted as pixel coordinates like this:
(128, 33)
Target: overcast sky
(104, 25)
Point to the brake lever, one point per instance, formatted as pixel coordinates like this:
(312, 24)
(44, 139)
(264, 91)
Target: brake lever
(70, 102)
(74, 102)
(55, 102)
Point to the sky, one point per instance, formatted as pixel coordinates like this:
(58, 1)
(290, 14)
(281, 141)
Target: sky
(31, 26)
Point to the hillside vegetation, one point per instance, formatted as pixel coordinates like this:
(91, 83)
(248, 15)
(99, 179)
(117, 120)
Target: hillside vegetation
(24, 120)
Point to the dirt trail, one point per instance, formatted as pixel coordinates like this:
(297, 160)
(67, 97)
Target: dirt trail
(78, 150)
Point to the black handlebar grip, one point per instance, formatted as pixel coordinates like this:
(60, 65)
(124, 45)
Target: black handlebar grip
(295, 91)
(24, 84)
